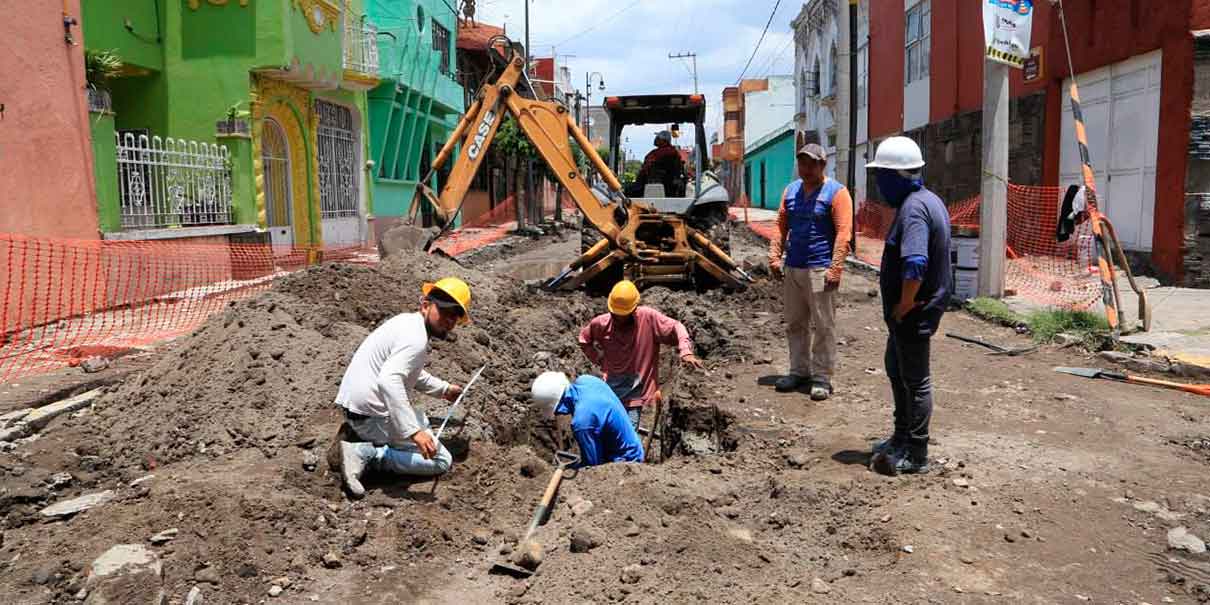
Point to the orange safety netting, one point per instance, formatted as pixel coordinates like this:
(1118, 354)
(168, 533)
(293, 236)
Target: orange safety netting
(1038, 267)
(493, 225)
(65, 300)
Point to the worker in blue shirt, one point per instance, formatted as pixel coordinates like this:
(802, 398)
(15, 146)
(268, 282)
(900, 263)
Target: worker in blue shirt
(598, 419)
(916, 281)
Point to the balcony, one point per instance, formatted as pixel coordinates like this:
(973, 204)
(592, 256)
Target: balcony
(360, 54)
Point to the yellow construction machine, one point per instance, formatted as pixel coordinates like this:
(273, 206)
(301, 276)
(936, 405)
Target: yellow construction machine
(638, 241)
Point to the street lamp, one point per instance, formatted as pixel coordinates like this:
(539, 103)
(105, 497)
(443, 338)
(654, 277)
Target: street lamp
(588, 94)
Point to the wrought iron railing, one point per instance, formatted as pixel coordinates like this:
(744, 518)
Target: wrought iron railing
(172, 182)
(361, 46)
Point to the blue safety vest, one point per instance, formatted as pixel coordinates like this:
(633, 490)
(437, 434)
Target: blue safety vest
(812, 232)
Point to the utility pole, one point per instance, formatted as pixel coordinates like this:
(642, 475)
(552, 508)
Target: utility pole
(588, 101)
(993, 212)
(526, 37)
(852, 107)
(692, 56)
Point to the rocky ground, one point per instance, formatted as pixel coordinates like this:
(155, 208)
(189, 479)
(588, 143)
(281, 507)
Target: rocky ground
(208, 464)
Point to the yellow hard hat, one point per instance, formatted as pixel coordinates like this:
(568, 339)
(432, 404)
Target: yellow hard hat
(455, 289)
(623, 298)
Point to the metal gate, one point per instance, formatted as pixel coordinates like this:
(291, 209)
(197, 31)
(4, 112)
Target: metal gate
(275, 156)
(337, 160)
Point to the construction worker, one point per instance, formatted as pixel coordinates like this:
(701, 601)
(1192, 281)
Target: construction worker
(598, 419)
(916, 282)
(662, 165)
(815, 223)
(625, 344)
(390, 433)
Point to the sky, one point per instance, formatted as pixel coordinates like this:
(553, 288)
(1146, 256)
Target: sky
(628, 42)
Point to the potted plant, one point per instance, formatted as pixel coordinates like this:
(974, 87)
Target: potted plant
(100, 66)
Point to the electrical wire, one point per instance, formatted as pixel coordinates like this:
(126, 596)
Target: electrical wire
(776, 5)
(602, 22)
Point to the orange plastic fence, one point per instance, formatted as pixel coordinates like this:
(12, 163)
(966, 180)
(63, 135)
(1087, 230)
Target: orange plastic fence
(65, 300)
(1038, 268)
(493, 225)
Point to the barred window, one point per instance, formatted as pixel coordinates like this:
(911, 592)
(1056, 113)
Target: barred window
(441, 44)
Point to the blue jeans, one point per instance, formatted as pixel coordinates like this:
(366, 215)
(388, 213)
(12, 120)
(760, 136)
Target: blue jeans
(395, 453)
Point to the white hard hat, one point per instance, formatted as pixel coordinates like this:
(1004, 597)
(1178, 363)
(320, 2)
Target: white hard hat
(548, 389)
(898, 153)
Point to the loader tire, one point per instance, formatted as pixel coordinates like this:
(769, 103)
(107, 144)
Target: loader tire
(716, 226)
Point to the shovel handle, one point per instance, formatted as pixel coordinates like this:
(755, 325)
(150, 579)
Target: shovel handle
(544, 506)
(1196, 389)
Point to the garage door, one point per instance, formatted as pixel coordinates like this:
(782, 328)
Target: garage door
(1121, 105)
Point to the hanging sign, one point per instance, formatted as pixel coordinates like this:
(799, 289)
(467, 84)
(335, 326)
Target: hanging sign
(1006, 29)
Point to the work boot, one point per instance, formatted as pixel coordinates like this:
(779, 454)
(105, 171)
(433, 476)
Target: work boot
(354, 459)
(887, 445)
(820, 390)
(900, 461)
(785, 384)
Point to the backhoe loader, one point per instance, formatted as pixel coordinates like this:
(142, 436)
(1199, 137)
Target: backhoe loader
(638, 241)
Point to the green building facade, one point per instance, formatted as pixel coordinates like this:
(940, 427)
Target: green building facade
(234, 117)
(418, 102)
(769, 167)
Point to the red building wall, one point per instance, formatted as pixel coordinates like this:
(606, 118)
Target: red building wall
(1103, 32)
(886, 68)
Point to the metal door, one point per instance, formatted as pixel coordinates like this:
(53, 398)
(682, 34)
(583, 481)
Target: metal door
(275, 156)
(339, 198)
(1121, 106)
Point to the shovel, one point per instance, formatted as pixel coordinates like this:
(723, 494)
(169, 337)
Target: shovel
(564, 460)
(1196, 389)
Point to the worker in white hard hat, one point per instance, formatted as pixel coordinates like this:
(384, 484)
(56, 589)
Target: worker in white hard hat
(916, 281)
(598, 419)
(815, 223)
(385, 429)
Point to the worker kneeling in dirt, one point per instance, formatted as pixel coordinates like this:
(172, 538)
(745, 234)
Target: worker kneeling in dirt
(390, 433)
(625, 344)
(598, 419)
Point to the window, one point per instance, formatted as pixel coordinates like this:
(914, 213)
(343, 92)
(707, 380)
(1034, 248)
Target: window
(441, 44)
(916, 35)
(815, 86)
(832, 76)
(863, 55)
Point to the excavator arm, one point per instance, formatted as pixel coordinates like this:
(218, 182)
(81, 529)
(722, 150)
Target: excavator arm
(547, 125)
(652, 247)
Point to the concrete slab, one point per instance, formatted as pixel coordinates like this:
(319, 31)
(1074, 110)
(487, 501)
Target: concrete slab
(77, 505)
(1180, 319)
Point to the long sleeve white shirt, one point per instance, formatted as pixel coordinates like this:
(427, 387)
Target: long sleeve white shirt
(385, 371)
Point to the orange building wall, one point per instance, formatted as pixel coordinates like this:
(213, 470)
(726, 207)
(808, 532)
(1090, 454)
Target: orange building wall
(46, 179)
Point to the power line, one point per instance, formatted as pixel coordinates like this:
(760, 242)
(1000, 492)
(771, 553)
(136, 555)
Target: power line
(776, 5)
(602, 22)
(771, 65)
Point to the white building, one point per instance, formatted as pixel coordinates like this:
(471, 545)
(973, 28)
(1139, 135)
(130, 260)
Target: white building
(768, 111)
(821, 73)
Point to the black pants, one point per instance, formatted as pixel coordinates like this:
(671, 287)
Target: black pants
(907, 367)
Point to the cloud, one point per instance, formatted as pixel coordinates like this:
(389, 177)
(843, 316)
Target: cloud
(628, 42)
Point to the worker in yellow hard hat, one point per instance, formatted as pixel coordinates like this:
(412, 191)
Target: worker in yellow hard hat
(625, 344)
(385, 429)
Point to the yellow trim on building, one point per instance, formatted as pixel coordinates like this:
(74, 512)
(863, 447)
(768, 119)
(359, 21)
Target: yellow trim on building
(291, 107)
(319, 14)
(357, 77)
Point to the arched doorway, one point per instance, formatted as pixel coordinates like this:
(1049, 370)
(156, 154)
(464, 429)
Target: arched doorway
(275, 157)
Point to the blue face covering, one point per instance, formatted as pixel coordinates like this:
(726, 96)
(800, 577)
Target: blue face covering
(895, 189)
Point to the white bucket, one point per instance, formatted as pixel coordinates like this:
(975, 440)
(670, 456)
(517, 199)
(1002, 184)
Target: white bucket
(966, 284)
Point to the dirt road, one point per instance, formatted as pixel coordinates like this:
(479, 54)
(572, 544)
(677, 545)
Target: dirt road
(1047, 488)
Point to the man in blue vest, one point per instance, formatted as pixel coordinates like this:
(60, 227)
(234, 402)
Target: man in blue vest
(916, 281)
(815, 225)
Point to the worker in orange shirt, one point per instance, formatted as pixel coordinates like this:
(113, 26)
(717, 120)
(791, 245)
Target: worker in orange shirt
(815, 225)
